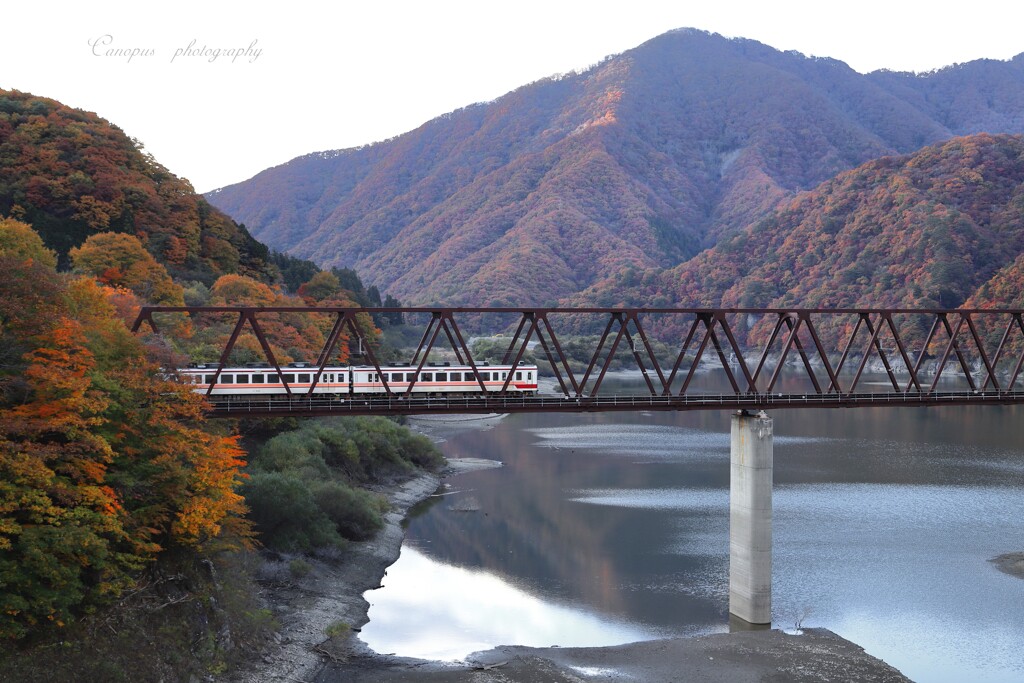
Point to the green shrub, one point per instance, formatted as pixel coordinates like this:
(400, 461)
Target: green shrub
(285, 514)
(356, 513)
(303, 492)
(298, 452)
(299, 567)
(337, 628)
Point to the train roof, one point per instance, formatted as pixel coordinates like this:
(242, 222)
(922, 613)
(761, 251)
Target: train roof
(256, 367)
(444, 366)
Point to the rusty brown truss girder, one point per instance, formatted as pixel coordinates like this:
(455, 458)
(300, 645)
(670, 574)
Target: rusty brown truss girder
(830, 350)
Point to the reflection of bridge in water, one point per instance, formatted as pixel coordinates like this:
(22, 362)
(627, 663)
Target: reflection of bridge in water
(929, 358)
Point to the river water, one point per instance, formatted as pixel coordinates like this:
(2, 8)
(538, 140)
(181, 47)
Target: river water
(610, 528)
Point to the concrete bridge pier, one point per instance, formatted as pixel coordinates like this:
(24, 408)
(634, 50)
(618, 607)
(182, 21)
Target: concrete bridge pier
(750, 518)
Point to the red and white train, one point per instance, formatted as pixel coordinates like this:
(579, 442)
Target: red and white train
(434, 379)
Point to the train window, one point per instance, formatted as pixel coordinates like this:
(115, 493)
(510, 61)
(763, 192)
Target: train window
(428, 377)
(441, 377)
(257, 379)
(227, 379)
(519, 376)
(241, 379)
(455, 376)
(304, 378)
(289, 377)
(208, 379)
(529, 375)
(272, 378)
(410, 377)
(485, 376)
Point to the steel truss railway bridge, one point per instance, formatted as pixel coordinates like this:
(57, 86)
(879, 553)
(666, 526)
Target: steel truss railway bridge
(767, 359)
(929, 357)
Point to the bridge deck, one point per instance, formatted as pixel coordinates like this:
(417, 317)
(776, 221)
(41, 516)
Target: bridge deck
(416, 405)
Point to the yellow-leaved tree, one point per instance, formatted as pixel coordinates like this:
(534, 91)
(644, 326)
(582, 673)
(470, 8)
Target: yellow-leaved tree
(103, 460)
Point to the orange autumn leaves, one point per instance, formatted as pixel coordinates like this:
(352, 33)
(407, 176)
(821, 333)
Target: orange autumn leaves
(102, 461)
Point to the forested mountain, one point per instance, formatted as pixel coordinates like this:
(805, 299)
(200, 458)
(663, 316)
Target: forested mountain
(936, 228)
(71, 175)
(640, 162)
(117, 498)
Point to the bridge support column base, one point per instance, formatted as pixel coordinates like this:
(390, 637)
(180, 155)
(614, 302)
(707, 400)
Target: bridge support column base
(750, 518)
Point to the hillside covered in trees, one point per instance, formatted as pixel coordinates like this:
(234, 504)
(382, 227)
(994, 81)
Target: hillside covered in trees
(103, 464)
(939, 228)
(126, 518)
(71, 174)
(638, 163)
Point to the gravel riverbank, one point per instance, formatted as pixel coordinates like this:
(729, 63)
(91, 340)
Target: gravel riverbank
(744, 657)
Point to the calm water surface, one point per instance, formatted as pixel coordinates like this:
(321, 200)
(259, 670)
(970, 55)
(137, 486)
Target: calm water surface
(611, 528)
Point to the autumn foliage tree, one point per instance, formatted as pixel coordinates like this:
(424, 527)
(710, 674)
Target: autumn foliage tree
(72, 175)
(292, 336)
(103, 464)
(121, 260)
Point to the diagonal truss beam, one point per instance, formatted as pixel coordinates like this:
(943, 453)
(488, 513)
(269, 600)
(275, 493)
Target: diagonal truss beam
(834, 366)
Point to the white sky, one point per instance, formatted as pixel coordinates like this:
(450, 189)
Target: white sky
(342, 74)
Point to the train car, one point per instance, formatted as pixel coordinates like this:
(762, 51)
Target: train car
(444, 379)
(262, 379)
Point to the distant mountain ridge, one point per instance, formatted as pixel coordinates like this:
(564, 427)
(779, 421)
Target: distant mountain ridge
(639, 163)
